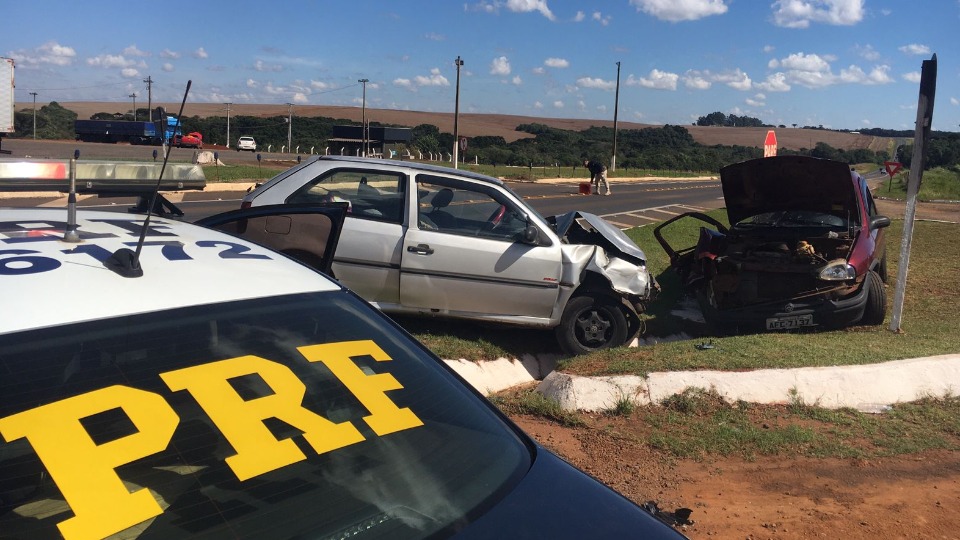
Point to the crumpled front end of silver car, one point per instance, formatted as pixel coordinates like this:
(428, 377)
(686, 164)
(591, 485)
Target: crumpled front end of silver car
(596, 248)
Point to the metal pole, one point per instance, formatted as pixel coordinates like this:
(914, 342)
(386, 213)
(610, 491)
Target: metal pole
(456, 118)
(134, 96)
(34, 94)
(289, 126)
(616, 106)
(149, 82)
(228, 123)
(363, 118)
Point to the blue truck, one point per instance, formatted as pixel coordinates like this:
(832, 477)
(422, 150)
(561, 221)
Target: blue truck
(114, 131)
(155, 133)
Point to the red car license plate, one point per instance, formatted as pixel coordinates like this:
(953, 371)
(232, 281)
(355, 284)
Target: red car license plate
(788, 323)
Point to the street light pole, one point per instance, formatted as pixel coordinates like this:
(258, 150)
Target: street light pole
(134, 96)
(363, 118)
(616, 105)
(456, 118)
(34, 94)
(289, 126)
(228, 124)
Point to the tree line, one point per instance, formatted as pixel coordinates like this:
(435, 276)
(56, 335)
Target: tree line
(669, 147)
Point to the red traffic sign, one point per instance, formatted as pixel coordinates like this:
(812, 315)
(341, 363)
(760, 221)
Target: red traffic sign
(892, 167)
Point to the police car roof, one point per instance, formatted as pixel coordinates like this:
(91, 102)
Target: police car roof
(48, 282)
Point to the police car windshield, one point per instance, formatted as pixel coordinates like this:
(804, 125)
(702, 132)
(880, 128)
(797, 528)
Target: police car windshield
(307, 416)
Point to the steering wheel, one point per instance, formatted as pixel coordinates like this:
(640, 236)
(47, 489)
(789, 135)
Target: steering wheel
(496, 218)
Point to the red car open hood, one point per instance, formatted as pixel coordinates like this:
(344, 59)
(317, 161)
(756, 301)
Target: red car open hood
(788, 183)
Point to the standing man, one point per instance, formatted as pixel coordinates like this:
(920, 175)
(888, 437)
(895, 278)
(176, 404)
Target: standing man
(598, 173)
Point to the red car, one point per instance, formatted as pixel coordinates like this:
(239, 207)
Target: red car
(805, 248)
(190, 140)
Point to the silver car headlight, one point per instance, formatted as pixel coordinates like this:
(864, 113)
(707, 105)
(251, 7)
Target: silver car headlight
(838, 270)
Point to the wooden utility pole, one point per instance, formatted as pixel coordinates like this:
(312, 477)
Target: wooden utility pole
(928, 88)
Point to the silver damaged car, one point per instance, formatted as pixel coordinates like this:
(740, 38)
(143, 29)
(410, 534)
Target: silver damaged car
(427, 240)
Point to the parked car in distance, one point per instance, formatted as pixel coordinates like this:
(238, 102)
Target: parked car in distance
(190, 140)
(207, 386)
(805, 248)
(246, 143)
(427, 240)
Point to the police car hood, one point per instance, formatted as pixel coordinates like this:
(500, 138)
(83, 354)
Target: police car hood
(580, 227)
(579, 507)
(784, 183)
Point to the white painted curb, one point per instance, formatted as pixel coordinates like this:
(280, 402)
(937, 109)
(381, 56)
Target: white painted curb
(865, 387)
(492, 376)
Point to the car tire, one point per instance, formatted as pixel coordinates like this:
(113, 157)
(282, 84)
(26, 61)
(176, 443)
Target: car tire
(591, 323)
(882, 268)
(876, 309)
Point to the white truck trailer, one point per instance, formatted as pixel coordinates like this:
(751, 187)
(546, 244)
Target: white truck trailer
(6, 99)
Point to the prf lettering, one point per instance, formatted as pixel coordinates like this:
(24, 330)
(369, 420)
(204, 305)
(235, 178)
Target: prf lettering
(85, 472)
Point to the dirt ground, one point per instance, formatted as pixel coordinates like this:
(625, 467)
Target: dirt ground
(915, 496)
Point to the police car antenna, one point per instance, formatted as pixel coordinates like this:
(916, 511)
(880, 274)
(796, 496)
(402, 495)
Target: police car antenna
(124, 261)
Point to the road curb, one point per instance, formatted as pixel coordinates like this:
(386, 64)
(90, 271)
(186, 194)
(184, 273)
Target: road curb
(869, 388)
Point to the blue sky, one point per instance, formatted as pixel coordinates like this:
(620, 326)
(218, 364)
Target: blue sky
(845, 64)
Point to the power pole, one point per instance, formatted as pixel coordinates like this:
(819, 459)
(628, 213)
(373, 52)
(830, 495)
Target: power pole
(363, 118)
(34, 94)
(149, 82)
(228, 123)
(616, 105)
(289, 126)
(134, 96)
(456, 118)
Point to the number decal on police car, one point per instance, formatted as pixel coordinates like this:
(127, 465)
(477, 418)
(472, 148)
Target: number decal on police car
(24, 261)
(234, 251)
(86, 471)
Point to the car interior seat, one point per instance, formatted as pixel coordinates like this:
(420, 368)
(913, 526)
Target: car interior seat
(441, 200)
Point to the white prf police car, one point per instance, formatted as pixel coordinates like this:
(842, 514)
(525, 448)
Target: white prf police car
(232, 392)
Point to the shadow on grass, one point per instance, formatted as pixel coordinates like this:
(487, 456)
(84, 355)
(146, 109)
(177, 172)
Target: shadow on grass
(470, 340)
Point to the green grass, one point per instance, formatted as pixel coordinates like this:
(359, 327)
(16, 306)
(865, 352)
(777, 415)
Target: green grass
(240, 173)
(937, 185)
(535, 404)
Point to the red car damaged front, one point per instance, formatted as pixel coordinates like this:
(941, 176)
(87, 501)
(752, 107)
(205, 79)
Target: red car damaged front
(805, 248)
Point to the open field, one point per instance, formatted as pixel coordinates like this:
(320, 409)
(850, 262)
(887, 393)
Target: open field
(503, 125)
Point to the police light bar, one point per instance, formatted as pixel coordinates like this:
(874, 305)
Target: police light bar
(98, 177)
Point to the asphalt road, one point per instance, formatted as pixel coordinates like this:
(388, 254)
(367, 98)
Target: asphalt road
(634, 202)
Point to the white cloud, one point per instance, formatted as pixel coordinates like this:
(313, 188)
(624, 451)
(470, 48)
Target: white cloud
(756, 101)
(600, 18)
(914, 49)
(260, 65)
(680, 10)
(167, 53)
(299, 98)
(800, 13)
(167, 66)
(602, 108)
(591, 82)
(132, 50)
(527, 6)
(558, 104)
(868, 52)
(129, 73)
(200, 53)
(556, 63)
(434, 79)
(252, 83)
(50, 52)
(320, 85)
(537, 105)
(697, 80)
(768, 49)
(913, 76)
(579, 17)
(432, 36)
(500, 66)
(954, 101)
(656, 79)
(110, 61)
(776, 82)
(737, 79)
(538, 70)
(804, 62)
(517, 80)
(581, 105)
(855, 75)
